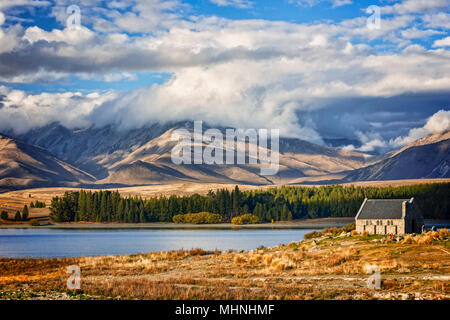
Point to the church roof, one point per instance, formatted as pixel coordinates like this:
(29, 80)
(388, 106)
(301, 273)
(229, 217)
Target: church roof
(381, 209)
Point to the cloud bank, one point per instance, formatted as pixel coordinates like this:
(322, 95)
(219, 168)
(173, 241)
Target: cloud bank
(310, 80)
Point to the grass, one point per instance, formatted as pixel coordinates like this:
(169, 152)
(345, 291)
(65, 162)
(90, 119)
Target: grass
(334, 269)
(332, 231)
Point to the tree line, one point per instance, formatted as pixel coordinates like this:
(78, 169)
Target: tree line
(18, 216)
(278, 204)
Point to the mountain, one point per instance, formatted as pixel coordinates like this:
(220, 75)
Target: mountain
(23, 165)
(428, 157)
(56, 156)
(143, 156)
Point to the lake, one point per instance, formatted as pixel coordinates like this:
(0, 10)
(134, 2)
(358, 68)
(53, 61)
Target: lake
(50, 243)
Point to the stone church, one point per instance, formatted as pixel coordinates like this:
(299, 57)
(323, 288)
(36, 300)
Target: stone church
(389, 216)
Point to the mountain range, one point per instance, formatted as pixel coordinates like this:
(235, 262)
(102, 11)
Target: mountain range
(110, 156)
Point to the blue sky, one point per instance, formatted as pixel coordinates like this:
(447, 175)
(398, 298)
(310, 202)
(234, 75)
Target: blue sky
(312, 68)
(292, 11)
(284, 10)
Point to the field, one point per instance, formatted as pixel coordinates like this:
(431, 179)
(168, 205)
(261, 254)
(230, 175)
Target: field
(323, 268)
(328, 267)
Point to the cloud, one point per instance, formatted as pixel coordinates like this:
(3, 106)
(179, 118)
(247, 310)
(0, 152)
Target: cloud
(242, 73)
(247, 73)
(144, 16)
(445, 42)
(438, 20)
(23, 111)
(415, 33)
(416, 6)
(438, 123)
(242, 4)
(6, 4)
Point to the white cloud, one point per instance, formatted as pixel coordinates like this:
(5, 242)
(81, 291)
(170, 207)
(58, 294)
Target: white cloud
(416, 6)
(243, 73)
(445, 42)
(5, 4)
(311, 3)
(69, 36)
(438, 123)
(141, 16)
(247, 73)
(370, 142)
(415, 33)
(242, 4)
(438, 20)
(21, 111)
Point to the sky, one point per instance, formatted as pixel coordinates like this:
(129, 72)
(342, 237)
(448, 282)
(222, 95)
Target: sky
(315, 69)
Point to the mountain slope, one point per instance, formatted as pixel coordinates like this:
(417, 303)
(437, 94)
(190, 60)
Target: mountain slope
(23, 165)
(428, 157)
(143, 156)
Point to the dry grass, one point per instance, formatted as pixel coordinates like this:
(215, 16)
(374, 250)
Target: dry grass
(331, 271)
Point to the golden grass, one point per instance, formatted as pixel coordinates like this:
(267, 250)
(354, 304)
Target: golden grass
(334, 271)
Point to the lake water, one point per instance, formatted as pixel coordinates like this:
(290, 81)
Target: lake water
(49, 243)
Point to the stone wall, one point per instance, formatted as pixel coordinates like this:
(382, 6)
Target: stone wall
(388, 226)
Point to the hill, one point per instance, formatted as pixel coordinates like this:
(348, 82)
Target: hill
(143, 156)
(426, 158)
(23, 165)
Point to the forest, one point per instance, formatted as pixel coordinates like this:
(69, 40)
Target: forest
(277, 204)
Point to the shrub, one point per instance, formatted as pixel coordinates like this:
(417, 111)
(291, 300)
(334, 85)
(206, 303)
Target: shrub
(37, 204)
(34, 223)
(333, 231)
(354, 233)
(245, 219)
(443, 233)
(18, 217)
(198, 218)
(312, 235)
(433, 234)
(238, 259)
(408, 239)
(349, 227)
(425, 240)
(178, 218)
(365, 233)
(4, 215)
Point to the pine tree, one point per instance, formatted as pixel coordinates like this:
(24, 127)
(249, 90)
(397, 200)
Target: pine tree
(236, 198)
(103, 205)
(25, 213)
(4, 215)
(82, 206)
(120, 211)
(18, 217)
(89, 207)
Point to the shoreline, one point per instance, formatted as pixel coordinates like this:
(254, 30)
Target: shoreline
(299, 224)
(320, 223)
